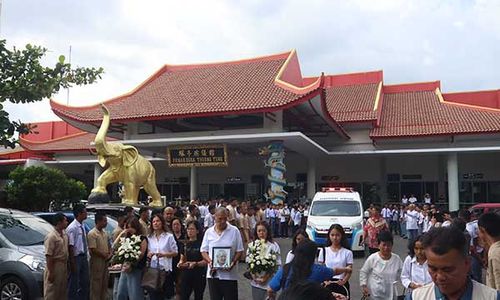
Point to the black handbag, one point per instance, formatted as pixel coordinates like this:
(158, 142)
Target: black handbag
(153, 278)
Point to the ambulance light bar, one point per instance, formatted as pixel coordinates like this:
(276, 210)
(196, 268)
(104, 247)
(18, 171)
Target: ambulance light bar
(337, 189)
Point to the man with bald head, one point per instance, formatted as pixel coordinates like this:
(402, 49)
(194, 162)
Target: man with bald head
(222, 283)
(168, 215)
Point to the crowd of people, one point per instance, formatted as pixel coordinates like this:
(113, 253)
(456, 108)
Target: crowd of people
(176, 240)
(205, 243)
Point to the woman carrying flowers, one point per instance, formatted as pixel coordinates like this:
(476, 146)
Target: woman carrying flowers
(263, 258)
(132, 255)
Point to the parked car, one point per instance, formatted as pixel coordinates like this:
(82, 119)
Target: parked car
(481, 208)
(22, 260)
(88, 223)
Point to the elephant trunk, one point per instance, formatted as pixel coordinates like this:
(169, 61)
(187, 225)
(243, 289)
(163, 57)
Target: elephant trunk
(100, 138)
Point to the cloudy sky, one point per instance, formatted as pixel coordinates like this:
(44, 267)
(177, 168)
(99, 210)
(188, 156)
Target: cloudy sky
(455, 41)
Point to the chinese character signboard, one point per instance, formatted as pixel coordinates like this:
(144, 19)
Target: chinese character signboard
(197, 156)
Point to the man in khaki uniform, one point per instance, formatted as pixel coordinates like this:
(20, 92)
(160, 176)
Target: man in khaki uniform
(232, 217)
(100, 253)
(55, 277)
(144, 219)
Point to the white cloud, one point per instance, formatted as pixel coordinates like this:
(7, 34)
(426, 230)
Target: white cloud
(453, 41)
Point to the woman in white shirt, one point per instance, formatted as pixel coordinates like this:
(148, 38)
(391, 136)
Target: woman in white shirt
(337, 255)
(415, 271)
(260, 283)
(161, 248)
(381, 270)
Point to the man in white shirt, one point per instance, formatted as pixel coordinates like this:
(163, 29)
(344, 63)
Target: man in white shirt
(284, 216)
(79, 281)
(222, 282)
(272, 220)
(412, 217)
(412, 199)
(427, 199)
(404, 200)
(209, 218)
(267, 214)
(296, 216)
(387, 214)
(203, 209)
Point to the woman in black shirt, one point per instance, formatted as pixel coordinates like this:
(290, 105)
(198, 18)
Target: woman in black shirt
(194, 268)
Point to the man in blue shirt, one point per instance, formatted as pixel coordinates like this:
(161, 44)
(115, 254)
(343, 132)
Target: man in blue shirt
(446, 250)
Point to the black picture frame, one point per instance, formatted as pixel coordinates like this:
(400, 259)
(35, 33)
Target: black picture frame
(221, 257)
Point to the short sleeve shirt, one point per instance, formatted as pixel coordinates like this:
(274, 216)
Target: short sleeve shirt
(98, 239)
(56, 245)
(336, 259)
(373, 227)
(76, 237)
(230, 237)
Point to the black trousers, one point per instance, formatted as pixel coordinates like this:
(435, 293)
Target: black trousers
(223, 289)
(283, 229)
(193, 281)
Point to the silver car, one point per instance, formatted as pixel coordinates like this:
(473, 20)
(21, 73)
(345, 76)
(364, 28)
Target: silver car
(22, 260)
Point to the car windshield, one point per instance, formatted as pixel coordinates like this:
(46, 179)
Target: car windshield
(341, 208)
(24, 230)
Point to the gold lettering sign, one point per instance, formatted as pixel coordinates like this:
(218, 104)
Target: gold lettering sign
(182, 156)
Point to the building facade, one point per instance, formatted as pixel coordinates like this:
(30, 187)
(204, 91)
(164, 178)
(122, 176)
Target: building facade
(354, 130)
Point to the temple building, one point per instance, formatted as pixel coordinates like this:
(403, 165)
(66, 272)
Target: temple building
(352, 130)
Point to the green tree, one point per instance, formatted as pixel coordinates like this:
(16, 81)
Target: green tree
(23, 80)
(33, 188)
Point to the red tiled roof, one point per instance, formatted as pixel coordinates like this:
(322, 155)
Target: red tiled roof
(200, 90)
(352, 103)
(421, 113)
(75, 142)
(489, 99)
(19, 153)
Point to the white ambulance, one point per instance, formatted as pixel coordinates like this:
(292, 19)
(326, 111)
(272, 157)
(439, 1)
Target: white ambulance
(336, 205)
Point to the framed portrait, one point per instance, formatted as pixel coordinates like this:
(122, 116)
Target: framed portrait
(221, 257)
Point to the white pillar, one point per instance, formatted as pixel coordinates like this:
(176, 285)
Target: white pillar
(311, 178)
(193, 191)
(452, 167)
(97, 173)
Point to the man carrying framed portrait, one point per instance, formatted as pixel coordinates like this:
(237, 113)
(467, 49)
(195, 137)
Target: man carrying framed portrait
(222, 248)
(222, 257)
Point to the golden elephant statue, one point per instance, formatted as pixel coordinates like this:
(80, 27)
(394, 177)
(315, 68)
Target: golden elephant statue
(124, 165)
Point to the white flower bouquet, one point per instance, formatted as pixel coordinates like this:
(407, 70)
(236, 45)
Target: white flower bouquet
(261, 260)
(129, 251)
